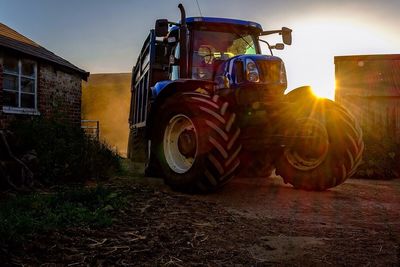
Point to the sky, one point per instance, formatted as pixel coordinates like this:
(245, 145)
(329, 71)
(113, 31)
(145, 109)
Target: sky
(106, 36)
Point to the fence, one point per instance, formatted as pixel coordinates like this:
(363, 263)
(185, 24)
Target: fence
(91, 128)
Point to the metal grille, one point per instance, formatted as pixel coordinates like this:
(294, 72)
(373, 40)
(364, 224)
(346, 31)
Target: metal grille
(270, 71)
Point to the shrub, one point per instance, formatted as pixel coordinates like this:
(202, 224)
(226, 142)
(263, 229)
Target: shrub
(65, 153)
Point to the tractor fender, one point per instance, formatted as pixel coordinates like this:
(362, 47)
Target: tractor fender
(299, 99)
(303, 93)
(159, 87)
(165, 89)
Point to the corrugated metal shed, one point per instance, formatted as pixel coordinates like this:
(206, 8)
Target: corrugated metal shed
(369, 86)
(15, 41)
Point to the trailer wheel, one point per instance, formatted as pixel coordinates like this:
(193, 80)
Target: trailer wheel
(330, 156)
(197, 142)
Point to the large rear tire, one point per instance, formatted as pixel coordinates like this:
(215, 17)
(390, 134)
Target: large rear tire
(197, 142)
(331, 156)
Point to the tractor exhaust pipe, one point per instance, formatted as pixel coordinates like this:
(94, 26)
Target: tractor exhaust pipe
(183, 15)
(183, 64)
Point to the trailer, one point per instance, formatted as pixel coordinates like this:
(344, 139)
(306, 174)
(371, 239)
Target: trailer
(369, 87)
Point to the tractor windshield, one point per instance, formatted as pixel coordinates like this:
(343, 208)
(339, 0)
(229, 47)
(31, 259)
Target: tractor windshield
(209, 47)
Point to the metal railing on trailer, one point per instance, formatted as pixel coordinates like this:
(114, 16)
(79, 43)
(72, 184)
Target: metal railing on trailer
(151, 67)
(140, 84)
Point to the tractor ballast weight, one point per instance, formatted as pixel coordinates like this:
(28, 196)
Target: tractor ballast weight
(206, 104)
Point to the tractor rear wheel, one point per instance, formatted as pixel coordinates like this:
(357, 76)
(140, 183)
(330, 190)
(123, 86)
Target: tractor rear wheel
(197, 142)
(332, 152)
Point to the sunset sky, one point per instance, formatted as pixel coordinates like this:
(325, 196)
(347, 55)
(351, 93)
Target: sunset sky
(106, 36)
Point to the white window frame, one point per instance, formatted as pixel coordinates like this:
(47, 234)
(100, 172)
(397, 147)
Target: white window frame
(19, 109)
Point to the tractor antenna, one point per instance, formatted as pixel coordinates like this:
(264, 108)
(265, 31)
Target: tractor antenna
(198, 6)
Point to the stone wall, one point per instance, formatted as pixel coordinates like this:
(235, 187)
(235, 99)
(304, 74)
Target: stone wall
(59, 95)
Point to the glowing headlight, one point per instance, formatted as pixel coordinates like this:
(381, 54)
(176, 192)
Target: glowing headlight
(252, 74)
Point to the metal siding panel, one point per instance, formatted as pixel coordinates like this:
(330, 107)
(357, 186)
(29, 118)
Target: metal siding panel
(371, 90)
(145, 96)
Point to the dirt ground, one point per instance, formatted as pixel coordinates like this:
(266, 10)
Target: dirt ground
(250, 222)
(357, 223)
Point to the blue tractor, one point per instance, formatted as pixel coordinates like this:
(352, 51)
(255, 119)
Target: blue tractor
(206, 104)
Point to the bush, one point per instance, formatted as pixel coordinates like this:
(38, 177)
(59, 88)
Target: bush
(65, 153)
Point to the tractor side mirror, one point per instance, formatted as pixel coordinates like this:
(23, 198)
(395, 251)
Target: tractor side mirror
(287, 35)
(278, 46)
(161, 27)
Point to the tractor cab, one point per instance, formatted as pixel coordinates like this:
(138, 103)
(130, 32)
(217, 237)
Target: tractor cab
(200, 44)
(213, 46)
(210, 42)
(224, 51)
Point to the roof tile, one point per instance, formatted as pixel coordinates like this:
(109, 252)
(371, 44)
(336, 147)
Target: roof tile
(11, 39)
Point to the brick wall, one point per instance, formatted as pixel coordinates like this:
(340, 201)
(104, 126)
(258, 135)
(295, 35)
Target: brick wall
(59, 95)
(1, 90)
(4, 120)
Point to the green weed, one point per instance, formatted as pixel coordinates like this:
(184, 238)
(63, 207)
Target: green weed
(24, 216)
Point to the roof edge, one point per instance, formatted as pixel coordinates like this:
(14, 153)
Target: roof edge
(367, 57)
(39, 52)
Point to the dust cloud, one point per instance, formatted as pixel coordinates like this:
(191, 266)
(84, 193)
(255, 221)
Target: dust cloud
(106, 97)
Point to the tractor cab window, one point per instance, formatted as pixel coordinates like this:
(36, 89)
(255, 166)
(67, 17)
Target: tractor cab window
(174, 73)
(210, 48)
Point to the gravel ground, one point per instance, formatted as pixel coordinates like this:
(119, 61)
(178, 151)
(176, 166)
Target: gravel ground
(250, 222)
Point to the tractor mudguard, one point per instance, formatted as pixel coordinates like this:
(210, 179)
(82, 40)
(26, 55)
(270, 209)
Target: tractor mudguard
(159, 87)
(300, 93)
(164, 89)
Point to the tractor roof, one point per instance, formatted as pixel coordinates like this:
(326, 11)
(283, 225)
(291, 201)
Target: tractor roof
(232, 22)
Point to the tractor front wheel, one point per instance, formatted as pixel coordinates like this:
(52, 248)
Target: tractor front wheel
(330, 151)
(197, 142)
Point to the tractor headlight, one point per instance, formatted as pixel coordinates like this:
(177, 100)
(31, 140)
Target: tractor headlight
(252, 74)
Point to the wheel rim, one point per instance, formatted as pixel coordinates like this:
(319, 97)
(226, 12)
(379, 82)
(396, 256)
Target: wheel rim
(313, 150)
(180, 143)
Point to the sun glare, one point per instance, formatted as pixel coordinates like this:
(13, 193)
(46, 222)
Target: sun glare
(316, 41)
(323, 87)
(320, 94)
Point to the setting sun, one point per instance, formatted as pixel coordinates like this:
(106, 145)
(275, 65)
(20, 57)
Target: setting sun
(317, 40)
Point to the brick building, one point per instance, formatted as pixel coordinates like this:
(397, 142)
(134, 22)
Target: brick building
(35, 81)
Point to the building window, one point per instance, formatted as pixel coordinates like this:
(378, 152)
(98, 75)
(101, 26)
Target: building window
(19, 84)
